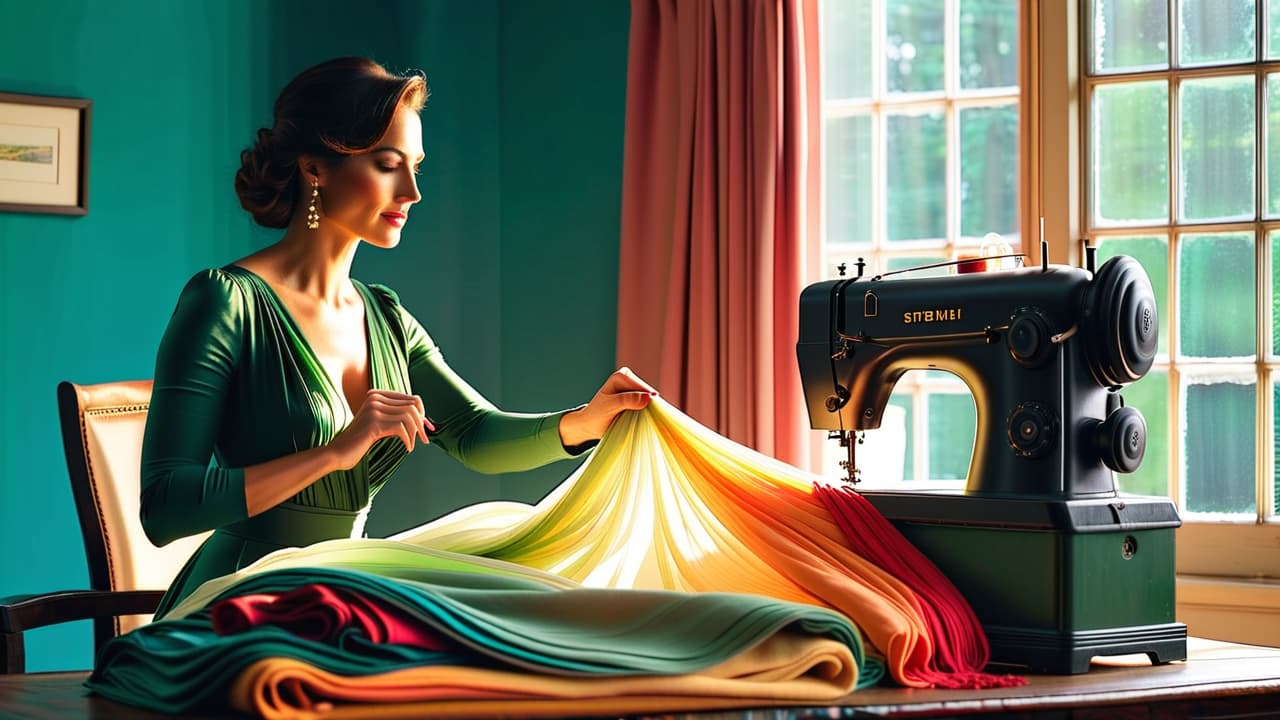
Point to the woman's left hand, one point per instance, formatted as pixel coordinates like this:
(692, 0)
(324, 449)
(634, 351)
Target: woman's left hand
(622, 391)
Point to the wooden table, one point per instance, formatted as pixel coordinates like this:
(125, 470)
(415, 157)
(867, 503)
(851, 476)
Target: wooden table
(1217, 680)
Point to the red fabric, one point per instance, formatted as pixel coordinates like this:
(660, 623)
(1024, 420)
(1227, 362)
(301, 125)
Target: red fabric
(719, 200)
(321, 613)
(961, 650)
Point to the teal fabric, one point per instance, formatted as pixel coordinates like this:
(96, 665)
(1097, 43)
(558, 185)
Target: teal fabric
(502, 621)
(236, 382)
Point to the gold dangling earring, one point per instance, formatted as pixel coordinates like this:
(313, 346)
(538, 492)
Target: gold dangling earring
(313, 217)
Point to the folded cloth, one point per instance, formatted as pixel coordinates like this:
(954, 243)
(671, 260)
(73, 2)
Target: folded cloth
(318, 612)
(784, 668)
(512, 622)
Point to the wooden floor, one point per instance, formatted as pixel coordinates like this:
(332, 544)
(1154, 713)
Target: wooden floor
(1218, 680)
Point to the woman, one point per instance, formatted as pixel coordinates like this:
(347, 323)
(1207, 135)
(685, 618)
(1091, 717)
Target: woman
(305, 386)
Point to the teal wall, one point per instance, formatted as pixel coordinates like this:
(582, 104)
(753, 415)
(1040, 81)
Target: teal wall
(510, 260)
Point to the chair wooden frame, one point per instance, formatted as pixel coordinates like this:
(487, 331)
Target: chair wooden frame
(101, 603)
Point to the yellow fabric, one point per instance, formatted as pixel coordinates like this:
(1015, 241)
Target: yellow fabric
(786, 668)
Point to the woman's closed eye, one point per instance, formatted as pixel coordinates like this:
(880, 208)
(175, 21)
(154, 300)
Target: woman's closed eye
(390, 168)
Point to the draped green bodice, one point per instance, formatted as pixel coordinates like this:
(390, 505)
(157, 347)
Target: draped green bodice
(237, 384)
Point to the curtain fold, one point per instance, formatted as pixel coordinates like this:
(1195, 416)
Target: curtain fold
(719, 199)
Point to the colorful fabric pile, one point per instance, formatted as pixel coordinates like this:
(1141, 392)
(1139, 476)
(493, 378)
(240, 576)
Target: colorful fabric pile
(674, 570)
(457, 636)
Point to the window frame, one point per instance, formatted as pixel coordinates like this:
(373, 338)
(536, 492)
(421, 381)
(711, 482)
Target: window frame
(879, 107)
(1206, 548)
(1054, 209)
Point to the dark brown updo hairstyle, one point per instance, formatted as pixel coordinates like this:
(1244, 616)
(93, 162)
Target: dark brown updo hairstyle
(333, 110)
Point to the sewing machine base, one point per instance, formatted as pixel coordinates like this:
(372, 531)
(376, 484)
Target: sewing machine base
(1054, 582)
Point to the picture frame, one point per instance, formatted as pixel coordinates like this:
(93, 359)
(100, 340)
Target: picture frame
(44, 154)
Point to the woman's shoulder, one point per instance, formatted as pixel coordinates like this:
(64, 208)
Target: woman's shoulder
(397, 315)
(216, 288)
(385, 295)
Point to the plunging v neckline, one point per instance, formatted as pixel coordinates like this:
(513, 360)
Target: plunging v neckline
(283, 311)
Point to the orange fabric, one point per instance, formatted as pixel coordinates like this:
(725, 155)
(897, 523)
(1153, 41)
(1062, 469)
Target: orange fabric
(719, 196)
(784, 669)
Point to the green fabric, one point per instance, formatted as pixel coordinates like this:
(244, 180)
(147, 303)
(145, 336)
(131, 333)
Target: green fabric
(502, 620)
(236, 381)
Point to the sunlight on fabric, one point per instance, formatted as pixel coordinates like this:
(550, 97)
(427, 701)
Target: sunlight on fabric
(665, 503)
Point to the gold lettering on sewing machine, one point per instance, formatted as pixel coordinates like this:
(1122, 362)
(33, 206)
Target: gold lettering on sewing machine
(928, 316)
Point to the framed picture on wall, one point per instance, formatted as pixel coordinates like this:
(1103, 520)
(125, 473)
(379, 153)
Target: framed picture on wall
(44, 154)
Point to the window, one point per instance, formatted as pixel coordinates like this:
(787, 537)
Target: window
(1181, 170)
(1151, 128)
(921, 127)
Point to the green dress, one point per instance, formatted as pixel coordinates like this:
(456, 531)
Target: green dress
(236, 384)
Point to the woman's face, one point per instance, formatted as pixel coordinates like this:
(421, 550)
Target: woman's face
(369, 194)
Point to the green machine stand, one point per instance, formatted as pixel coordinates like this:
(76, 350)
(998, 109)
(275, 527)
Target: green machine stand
(1053, 582)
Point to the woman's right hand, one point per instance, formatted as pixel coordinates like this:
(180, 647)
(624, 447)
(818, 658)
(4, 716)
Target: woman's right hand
(384, 413)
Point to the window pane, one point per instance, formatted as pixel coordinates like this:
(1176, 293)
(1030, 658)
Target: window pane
(1130, 150)
(1152, 252)
(1274, 239)
(917, 164)
(953, 422)
(1150, 396)
(1273, 141)
(882, 454)
(849, 179)
(1129, 34)
(913, 48)
(1275, 447)
(988, 43)
(1219, 446)
(1216, 152)
(1273, 30)
(1216, 31)
(911, 261)
(989, 170)
(846, 50)
(1216, 318)
(902, 400)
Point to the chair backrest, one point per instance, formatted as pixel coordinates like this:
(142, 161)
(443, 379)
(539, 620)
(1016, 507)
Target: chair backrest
(102, 428)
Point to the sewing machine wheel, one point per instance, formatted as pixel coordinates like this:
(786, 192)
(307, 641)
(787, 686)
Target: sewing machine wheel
(1122, 439)
(1121, 326)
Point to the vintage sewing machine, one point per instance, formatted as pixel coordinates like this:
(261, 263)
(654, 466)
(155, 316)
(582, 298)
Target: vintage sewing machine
(1058, 566)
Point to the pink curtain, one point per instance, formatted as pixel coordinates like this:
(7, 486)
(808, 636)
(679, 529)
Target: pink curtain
(719, 200)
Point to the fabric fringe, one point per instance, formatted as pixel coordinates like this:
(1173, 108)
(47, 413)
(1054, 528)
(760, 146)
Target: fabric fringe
(960, 645)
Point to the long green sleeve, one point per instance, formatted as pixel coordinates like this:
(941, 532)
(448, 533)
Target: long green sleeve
(468, 426)
(182, 493)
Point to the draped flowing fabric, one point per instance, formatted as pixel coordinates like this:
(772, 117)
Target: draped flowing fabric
(720, 183)
(675, 569)
(665, 503)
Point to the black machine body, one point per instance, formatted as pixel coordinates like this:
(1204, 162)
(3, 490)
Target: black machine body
(1045, 351)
